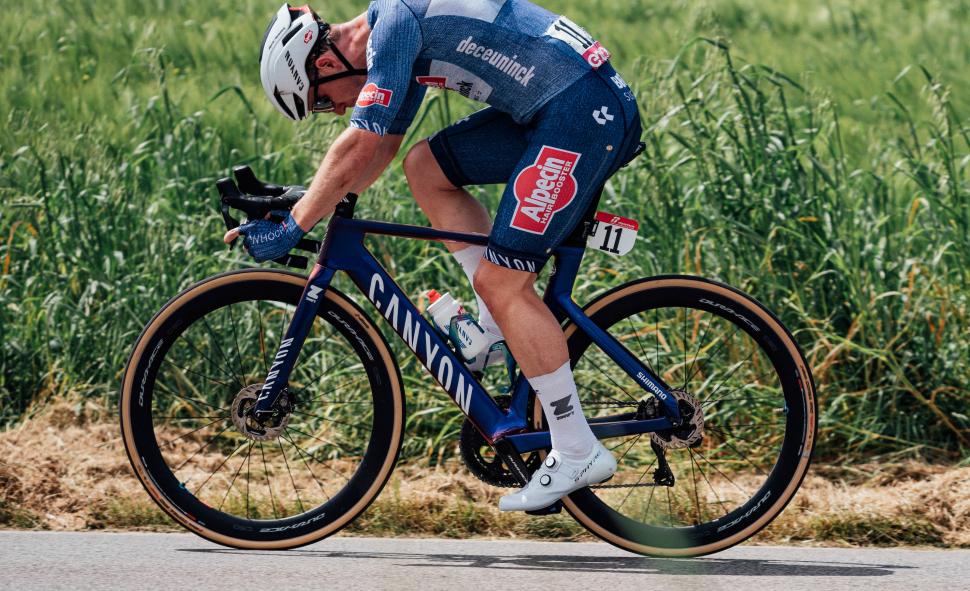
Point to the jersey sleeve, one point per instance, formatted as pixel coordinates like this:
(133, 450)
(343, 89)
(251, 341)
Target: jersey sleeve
(408, 110)
(388, 102)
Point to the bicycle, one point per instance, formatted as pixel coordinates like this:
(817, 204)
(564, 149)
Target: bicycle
(707, 400)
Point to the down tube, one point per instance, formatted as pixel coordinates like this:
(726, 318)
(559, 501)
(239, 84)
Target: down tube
(431, 349)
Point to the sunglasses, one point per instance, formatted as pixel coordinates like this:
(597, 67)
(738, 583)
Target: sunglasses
(322, 104)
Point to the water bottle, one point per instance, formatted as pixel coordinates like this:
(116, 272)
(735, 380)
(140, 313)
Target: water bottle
(451, 319)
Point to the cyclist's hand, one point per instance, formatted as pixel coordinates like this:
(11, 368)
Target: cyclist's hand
(266, 240)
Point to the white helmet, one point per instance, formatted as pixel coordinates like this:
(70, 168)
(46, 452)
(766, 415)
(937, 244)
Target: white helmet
(294, 39)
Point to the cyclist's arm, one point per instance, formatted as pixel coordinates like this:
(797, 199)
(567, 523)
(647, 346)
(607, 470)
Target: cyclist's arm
(385, 154)
(393, 138)
(384, 109)
(353, 162)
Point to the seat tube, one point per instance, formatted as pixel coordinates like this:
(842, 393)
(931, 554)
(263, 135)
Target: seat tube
(292, 342)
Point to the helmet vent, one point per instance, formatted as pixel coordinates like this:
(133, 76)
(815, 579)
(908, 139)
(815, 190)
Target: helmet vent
(282, 104)
(300, 108)
(293, 31)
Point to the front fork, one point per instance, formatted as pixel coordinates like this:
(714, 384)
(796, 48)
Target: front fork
(292, 343)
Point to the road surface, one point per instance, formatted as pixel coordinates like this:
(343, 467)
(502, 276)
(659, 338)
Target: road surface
(53, 560)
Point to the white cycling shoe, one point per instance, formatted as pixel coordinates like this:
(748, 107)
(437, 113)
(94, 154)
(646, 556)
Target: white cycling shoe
(559, 476)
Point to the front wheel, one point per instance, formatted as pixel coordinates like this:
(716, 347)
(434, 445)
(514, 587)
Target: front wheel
(198, 367)
(741, 377)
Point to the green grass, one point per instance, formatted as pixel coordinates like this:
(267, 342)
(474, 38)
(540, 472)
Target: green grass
(874, 530)
(12, 515)
(820, 164)
(127, 513)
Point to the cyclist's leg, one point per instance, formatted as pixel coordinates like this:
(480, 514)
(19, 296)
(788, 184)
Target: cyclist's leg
(438, 169)
(578, 141)
(447, 206)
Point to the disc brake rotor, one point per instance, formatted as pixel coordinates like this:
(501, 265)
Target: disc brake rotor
(691, 431)
(250, 427)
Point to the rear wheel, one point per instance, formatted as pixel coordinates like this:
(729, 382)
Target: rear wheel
(738, 371)
(199, 365)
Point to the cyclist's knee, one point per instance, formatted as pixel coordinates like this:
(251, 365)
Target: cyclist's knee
(421, 168)
(414, 158)
(497, 285)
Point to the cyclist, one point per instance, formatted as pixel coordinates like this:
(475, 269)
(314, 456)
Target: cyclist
(560, 121)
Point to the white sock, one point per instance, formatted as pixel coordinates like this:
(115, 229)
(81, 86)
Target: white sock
(568, 428)
(469, 258)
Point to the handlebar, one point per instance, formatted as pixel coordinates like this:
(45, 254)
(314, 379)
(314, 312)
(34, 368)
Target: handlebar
(257, 200)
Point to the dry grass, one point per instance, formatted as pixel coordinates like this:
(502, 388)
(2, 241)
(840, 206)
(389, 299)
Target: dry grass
(65, 469)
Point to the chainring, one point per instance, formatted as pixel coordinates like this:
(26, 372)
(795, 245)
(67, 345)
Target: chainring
(482, 460)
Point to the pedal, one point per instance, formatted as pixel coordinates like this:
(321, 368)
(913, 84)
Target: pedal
(552, 509)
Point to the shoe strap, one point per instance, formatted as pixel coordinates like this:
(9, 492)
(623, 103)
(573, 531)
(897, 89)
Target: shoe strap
(552, 462)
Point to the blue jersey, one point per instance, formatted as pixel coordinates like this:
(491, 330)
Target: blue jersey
(510, 54)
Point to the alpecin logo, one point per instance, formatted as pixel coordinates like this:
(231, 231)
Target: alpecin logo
(433, 81)
(374, 95)
(544, 188)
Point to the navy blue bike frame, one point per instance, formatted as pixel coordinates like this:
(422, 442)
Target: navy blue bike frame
(343, 250)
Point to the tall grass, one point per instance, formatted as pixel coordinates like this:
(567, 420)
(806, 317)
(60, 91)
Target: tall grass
(831, 183)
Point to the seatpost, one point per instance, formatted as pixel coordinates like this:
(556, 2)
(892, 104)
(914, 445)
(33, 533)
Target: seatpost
(584, 227)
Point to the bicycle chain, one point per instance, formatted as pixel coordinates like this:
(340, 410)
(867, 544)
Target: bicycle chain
(651, 484)
(610, 404)
(620, 404)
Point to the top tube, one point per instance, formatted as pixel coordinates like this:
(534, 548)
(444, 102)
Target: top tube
(412, 231)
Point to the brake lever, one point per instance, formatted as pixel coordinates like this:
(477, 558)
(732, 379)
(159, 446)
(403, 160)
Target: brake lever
(254, 206)
(228, 189)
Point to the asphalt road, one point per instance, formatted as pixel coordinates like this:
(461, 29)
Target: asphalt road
(46, 560)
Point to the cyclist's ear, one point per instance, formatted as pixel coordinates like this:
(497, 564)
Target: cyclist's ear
(326, 63)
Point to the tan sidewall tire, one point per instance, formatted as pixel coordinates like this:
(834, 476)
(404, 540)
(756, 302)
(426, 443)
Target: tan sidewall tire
(808, 393)
(128, 388)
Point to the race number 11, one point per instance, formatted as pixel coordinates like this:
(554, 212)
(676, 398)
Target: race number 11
(613, 234)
